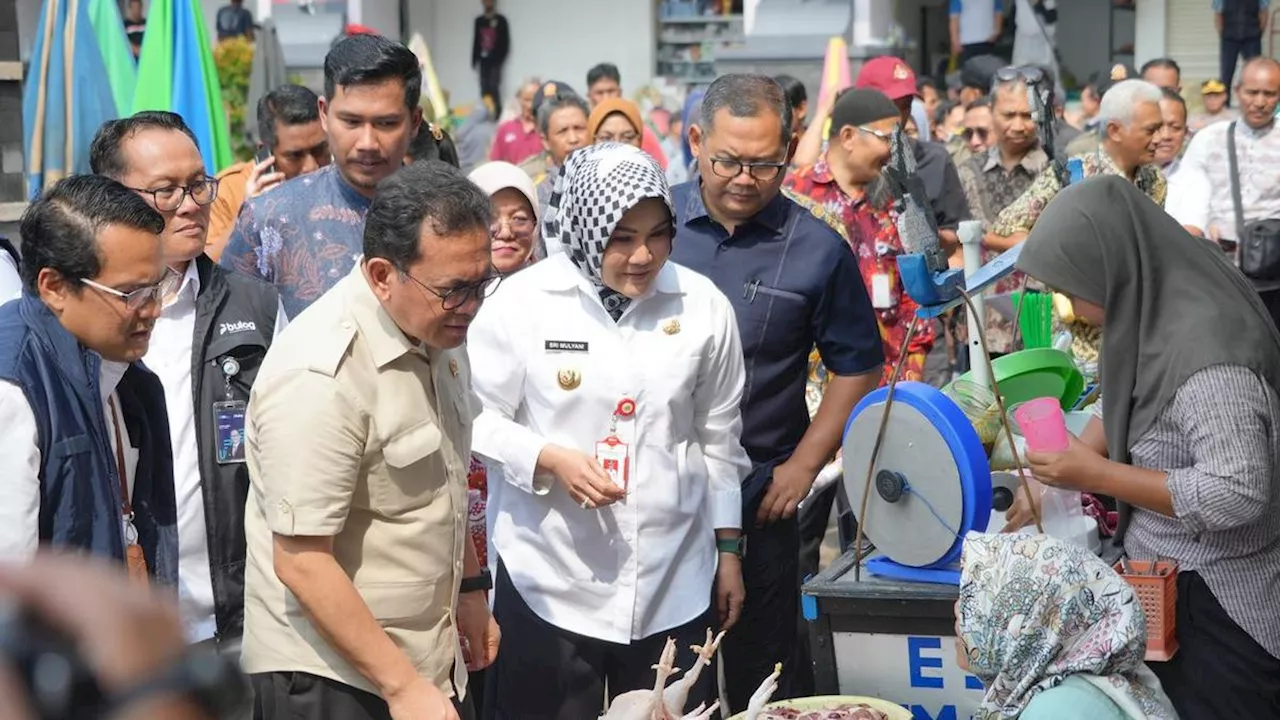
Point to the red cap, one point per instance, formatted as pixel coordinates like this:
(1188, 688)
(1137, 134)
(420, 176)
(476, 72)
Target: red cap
(356, 29)
(890, 75)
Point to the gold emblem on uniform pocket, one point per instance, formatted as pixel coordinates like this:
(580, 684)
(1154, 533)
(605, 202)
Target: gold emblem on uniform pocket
(569, 378)
(672, 327)
(453, 366)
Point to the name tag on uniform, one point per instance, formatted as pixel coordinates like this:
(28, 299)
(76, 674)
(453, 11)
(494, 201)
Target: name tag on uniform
(576, 346)
(881, 294)
(612, 455)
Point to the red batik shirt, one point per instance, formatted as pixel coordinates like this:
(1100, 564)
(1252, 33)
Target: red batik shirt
(873, 237)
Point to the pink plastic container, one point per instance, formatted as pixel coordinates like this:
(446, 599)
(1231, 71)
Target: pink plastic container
(1043, 425)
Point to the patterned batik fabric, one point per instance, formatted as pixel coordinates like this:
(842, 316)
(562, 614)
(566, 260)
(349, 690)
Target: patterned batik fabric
(477, 502)
(990, 188)
(871, 232)
(1035, 610)
(1023, 213)
(596, 187)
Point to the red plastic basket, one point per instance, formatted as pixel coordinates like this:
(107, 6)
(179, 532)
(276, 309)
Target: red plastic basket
(1157, 590)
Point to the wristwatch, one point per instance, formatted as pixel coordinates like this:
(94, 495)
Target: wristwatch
(732, 546)
(481, 582)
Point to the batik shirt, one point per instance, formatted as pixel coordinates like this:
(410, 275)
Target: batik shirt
(303, 237)
(990, 189)
(873, 237)
(1023, 213)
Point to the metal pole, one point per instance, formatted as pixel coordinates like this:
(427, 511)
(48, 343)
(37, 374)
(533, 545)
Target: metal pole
(970, 232)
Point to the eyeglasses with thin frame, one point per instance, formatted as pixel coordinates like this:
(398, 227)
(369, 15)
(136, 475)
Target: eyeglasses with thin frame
(170, 198)
(519, 226)
(885, 136)
(762, 171)
(456, 297)
(143, 296)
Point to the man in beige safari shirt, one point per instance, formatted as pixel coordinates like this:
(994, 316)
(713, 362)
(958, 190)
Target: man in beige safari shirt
(360, 572)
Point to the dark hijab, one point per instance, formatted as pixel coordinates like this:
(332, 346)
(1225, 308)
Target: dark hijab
(1173, 304)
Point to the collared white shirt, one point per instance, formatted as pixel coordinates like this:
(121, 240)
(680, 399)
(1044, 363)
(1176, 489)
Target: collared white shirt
(1202, 185)
(20, 460)
(645, 564)
(10, 280)
(169, 357)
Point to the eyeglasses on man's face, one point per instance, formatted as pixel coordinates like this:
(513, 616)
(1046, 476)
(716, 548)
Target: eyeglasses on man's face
(143, 296)
(170, 198)
(459, 295)
(762, 171)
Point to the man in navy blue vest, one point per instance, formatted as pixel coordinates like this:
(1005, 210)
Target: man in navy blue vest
(85, 461)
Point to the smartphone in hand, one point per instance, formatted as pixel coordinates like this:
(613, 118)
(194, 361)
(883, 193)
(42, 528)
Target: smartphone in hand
(264, 153)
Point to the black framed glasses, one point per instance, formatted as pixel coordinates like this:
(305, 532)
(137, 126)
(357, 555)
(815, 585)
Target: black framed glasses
(763, 171)
(137, 299)
(168, 199)
(457, 296)
(982, 133)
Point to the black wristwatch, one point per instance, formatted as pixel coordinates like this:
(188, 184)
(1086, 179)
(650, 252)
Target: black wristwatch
(481, 582)
(732, 546)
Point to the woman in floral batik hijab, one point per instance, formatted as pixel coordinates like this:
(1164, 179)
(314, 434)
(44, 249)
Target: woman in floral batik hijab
(1052, 632)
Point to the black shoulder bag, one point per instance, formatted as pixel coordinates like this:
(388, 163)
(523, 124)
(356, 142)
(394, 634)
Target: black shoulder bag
(1259, 241)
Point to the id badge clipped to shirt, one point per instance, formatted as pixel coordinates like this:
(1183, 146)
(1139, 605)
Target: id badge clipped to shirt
(612, 454)
(881, 292)
(228, 420)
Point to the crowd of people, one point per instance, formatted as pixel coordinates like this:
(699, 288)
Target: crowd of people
(446, 422)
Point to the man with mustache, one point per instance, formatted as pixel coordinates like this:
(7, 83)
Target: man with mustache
(84, 456)
(305, 236)
(995, 178)
(213, 331)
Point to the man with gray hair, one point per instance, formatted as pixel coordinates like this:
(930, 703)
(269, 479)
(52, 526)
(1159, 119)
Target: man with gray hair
(1130, 126)
(562, 124)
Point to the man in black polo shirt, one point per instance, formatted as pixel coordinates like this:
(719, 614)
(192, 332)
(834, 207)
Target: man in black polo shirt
(794, 284)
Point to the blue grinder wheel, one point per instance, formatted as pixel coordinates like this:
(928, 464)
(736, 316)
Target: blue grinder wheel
(932, 482)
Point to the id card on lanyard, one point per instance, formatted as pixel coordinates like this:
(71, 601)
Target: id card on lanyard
(228, 418)
(612, 453)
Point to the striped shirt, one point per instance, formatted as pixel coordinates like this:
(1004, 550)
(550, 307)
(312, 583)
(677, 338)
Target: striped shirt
(1218, 441)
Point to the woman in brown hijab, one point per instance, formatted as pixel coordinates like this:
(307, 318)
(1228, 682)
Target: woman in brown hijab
(1189, 438)
(616, 120)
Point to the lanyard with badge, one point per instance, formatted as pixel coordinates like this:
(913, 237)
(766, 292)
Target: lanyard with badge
(135, 560)
(228, 418)
(612, 453)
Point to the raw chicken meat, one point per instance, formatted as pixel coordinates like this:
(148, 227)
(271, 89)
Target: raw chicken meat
(651, 704)
(840, 712)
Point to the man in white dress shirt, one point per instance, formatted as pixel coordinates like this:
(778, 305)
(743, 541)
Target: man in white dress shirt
(84, 453)
(212, 334)
(10, 282)
(1202, 186)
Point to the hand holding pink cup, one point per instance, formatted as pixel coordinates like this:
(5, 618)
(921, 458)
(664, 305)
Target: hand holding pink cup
(1044, 425)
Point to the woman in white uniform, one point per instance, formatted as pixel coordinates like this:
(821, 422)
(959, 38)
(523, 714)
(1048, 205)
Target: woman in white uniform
(610, 380)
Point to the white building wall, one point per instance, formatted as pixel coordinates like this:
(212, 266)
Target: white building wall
(552, 39)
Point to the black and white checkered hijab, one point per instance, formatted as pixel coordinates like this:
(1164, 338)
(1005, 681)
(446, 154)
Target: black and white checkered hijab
(596, 187)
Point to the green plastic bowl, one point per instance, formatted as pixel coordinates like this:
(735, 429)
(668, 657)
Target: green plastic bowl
(1030, 374)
